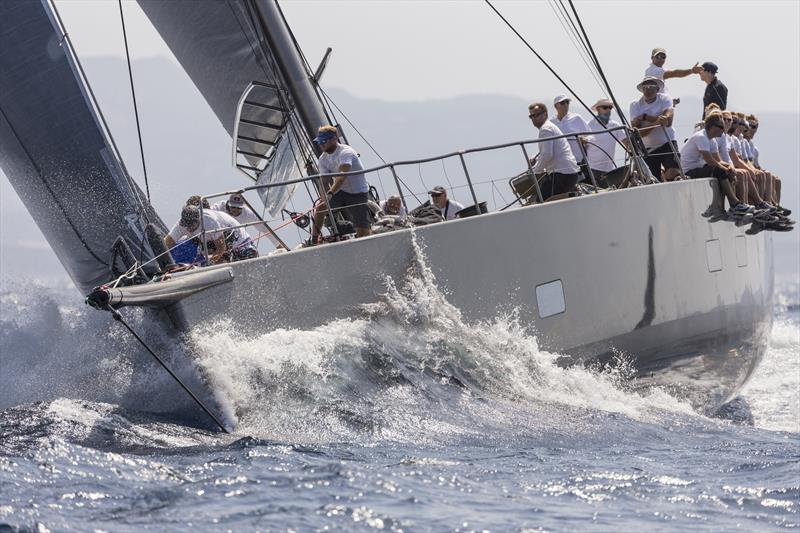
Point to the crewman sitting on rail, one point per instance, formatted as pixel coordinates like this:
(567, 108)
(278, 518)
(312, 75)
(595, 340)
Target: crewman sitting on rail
(697, 162)
(236, 207)
(774, 195)
(224, 240)
(555, 157)
(448, 208)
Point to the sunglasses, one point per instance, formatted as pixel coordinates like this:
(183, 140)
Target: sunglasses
(717, 125)
(534, 115)
(436, 194)
(563, 102)
(753, 126)
(661, 56)
(604, 107)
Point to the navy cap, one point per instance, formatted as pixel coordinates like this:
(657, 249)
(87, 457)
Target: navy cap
(324, 137)
(708, 66)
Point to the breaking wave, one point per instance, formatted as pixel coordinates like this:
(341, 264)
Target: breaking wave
(409, 369)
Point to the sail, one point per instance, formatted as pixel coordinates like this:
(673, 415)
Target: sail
(55, 153)
(220, 45)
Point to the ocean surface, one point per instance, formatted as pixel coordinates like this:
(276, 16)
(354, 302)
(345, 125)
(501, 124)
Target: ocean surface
(408, 419)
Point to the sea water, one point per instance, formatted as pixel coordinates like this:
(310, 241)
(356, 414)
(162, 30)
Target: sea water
(406, 418)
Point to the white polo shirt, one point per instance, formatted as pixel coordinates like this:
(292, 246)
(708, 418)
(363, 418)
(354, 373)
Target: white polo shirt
(640, 107)
(600, 151)
(691, 158)
(572, 123)
(555, 155)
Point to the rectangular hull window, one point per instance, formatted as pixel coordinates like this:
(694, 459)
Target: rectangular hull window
(550, 299)
(714, 255)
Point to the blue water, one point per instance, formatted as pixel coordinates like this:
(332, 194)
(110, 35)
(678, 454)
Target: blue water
(405, 419)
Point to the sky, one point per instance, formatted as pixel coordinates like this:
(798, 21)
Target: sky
(420, 50)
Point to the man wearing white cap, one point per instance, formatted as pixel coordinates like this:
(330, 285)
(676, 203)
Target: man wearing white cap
(656, 69)
(235, 207)
(570, 123)
(600, 147)
(653, 114)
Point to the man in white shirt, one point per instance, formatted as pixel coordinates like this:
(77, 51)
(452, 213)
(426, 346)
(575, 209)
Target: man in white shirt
(698, 162)
(773, 195)
(224, 240)
(600, 147)
(236, 207)
(448, 208)
(656, 69)
(555, 156)
(653, 114)
(348, 193)
(570, 123)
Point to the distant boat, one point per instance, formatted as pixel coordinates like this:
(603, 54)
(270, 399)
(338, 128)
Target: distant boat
(635, 275)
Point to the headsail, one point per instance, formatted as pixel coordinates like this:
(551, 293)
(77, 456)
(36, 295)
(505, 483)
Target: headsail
(55, 153)
(224, 47)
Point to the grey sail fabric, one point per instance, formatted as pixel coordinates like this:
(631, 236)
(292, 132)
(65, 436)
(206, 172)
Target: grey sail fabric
(219, 45)
(54, 152)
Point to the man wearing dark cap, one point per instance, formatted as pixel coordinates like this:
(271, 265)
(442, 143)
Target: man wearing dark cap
(448, 208)
(716, 91)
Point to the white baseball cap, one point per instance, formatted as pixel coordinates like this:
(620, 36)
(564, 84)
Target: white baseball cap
(560, 98)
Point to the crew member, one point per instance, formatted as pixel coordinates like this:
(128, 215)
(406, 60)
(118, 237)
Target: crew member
(345, 192)
(555, 156)
(653, 114)
(448, 208)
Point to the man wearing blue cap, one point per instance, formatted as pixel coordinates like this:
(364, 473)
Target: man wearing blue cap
(345, 192)
(715, 90)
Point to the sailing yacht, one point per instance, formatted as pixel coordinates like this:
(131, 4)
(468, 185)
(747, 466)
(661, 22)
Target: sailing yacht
(635, 274)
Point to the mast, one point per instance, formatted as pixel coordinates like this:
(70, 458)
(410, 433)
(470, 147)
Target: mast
(287, 56)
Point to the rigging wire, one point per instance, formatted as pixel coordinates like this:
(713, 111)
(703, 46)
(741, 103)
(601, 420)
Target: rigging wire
(133, 94)
(118, 317)
(545, 63)
(559, 78)
(584, 54)
(599, 68)
(118, 156)
(574, 29)
(328, 102)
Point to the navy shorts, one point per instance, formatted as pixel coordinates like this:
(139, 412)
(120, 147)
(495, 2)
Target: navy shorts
(664, 156)
(355, 205)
